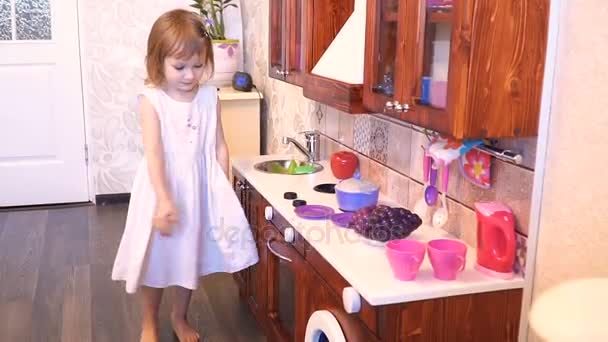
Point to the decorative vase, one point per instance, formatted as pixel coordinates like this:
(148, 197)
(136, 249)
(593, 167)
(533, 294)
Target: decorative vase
(226, 61)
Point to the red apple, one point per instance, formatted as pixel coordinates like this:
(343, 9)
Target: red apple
(343, 164)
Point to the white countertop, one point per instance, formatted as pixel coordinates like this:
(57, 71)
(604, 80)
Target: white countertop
(360, 261)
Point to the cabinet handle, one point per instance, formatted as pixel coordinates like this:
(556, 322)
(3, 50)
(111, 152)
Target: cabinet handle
(401, 108)
(277, 254)
(289, 234)
(351, 300)
(268, 213)
(242, 185)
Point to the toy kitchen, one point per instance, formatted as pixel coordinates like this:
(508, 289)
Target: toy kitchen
(400, 217)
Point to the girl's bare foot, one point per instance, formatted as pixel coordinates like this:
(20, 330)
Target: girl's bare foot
(149, 331)
(184, 332)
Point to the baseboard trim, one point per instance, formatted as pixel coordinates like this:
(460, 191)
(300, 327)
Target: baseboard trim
(45, 207)
(112, 198)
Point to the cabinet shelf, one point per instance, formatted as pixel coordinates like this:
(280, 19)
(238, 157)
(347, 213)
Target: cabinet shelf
(390, 17)
(440, 15)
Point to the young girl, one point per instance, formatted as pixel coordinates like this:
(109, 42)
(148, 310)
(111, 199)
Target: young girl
(184, 219)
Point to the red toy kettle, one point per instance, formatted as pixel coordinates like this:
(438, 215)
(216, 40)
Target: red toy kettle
(496, 242)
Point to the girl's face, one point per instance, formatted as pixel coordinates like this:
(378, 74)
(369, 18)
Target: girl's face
(183, 75)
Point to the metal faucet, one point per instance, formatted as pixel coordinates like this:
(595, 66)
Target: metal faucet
(312, 149)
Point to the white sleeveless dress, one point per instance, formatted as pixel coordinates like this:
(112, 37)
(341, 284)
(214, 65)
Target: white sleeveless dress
(213, 234)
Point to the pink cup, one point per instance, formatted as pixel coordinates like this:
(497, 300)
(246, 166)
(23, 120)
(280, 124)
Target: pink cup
(448, 258)
(439, 94)
(405, 257)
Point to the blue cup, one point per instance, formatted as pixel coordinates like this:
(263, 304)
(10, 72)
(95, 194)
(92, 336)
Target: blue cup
(426, 90)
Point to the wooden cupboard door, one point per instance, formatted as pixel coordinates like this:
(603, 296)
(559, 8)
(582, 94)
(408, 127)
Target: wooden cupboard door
(278, 33)
(286, 40)
(324, 19)
(438, 34)
(258, 273)
(482, 317)
(285, 288)
(385, 46)
(294, 47)
(242, 277)
(506, 68)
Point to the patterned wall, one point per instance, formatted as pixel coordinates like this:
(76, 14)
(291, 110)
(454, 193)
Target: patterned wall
(113, 41)
(113, 44)
(287, 110)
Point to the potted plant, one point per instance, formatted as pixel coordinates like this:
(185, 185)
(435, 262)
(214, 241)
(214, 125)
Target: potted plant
(224, 49)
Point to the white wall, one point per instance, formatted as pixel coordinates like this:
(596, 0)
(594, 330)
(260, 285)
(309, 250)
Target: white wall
(573, 235)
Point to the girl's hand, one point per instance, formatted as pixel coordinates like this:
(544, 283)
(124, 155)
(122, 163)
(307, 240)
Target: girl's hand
(165, 217)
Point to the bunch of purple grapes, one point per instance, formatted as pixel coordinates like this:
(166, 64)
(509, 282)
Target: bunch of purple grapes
(383, 223)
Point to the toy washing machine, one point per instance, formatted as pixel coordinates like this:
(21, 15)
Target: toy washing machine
(322, 326)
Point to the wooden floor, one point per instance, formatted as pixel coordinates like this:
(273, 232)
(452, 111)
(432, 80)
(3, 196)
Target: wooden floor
(55, 283)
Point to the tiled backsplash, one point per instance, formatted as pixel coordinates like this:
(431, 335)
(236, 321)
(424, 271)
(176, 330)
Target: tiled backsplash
(391, 156)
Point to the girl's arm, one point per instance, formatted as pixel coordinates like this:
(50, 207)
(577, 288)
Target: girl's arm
(221, 149)
(165, 215)
(153, 150)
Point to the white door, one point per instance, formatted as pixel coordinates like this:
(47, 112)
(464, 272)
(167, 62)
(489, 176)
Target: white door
(42, 139)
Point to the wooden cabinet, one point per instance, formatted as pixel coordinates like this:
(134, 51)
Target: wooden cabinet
(300, 33)
(286, 289)
(491, 316)
(292, 281)
(257, 282)
(467, 68)
(384, 50)
(252, 281)
(324, 19)
(241, 189)
(286, 57)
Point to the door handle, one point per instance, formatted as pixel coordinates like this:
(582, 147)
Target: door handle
(277, 254)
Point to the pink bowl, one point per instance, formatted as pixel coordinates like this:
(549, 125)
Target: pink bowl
(405, 257)
(448, 257)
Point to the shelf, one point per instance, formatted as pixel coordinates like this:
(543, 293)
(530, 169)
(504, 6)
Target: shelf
(343, 96)
(228, 93)
(440, 15)
(390, 17)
